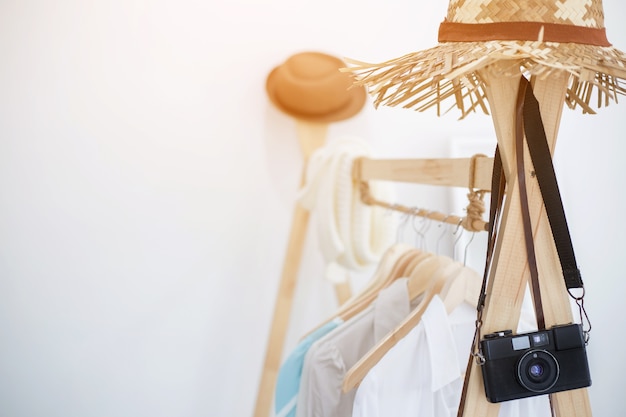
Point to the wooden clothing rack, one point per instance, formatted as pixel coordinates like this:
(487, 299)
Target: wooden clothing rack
(508, 280)
(457, 172)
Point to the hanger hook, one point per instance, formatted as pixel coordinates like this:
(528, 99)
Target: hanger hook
(404, 219)
(467, 247)
(443, 225)
(425, 225)
(459, 230)
(419, 237)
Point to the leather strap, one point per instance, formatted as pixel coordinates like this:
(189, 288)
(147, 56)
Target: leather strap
(498, 184)
(523, 193)
(546, 177)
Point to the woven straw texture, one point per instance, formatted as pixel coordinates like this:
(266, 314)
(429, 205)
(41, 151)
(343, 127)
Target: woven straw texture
(574, 12)
(457, 72)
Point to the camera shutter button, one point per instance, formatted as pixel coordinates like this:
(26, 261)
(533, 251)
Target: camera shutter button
(501, 333)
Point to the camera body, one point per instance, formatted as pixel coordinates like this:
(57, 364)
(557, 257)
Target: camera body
(536, 363)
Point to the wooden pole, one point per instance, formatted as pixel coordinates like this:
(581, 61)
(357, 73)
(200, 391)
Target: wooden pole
(311, 136)
(510, 274)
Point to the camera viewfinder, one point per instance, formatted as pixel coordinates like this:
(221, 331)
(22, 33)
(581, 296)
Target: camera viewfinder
(520, 343)
(540, 339)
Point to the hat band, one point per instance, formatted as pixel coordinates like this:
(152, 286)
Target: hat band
(521, 31)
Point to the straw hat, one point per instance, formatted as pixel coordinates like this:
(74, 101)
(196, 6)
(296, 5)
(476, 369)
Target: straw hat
(537, 37)
(309, 86)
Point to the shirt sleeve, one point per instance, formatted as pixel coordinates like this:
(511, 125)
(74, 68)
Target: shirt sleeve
(321, 394)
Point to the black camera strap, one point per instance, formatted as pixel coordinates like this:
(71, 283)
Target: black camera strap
(546, 178)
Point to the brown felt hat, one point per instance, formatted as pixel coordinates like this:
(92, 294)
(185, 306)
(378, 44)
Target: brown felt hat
(309, 86)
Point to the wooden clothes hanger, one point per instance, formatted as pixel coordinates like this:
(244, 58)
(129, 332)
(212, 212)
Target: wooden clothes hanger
(398, 271)
(435, 281)
(464, 287)
(392, 266)
(420, 278)
(415, 262)
(384, 276)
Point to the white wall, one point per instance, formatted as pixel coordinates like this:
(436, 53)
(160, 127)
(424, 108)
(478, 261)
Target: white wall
(146, 188)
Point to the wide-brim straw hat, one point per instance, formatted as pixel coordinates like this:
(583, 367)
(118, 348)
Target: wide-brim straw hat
(310, 86)
(537, 37)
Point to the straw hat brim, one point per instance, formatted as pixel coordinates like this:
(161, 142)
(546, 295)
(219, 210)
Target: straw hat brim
(356, 97)
(455, 71)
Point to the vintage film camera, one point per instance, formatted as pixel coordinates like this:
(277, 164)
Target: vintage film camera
(543, 362)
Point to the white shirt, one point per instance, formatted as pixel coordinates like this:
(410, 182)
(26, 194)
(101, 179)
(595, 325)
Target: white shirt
(422, 375)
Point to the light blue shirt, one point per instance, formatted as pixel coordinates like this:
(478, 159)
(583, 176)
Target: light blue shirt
(288, 381)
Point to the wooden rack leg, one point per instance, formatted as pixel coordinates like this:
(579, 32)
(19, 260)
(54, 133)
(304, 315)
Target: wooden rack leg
(282, 310)
(311, 137)
(510, 275)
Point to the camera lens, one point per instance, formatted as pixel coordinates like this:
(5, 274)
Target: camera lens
(537, 370)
